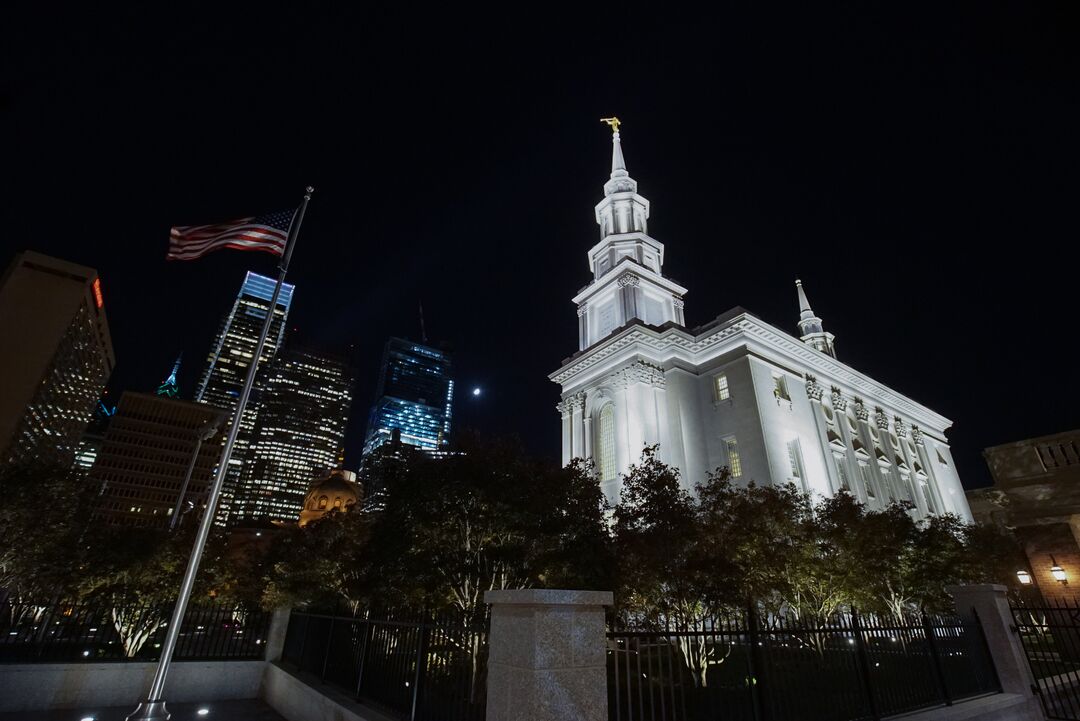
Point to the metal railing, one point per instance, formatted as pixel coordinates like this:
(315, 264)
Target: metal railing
(415, 665)
(741, 668)
(1050, 634)
(44, 633)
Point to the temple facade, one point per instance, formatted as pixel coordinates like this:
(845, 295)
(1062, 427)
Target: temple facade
(736, 392)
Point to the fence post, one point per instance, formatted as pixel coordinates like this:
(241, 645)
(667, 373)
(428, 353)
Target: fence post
(756, 661)
(421, 662)
(547, 655)
(329, 644)
(863, 662)
(368, 631)
(987, 604)
(935, 657)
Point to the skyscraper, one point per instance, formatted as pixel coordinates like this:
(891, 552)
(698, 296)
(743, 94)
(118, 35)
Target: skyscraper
(55, 357)
(299, 435)
(414, 396)
(145, 456)
(228, 361)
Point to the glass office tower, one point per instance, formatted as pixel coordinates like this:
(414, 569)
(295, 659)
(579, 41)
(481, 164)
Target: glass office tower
(228, 362)
(414, 397)
(299, 434)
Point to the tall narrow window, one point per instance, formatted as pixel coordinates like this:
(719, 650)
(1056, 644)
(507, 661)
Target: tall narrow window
(868, 481)
(928, 496)
(793, 458)
(734, 462)
(607, 443)
(780, 388)
(841, 472)
(721, 386)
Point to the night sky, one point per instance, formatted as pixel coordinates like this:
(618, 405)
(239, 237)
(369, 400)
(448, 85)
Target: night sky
(917, 171)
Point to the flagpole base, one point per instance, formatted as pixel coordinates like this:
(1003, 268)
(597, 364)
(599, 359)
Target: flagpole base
(150, 711)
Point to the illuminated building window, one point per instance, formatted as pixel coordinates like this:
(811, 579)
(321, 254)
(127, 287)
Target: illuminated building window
(606, 457)
(720, 384)
(322, 502)
(734, 461)
(780, 388)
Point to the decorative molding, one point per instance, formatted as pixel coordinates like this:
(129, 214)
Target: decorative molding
(839, 403)
(881, 418)
(563, 407)
(676, 341)
(916, 435)
(629, 279)
(577, 401)
(860, 410)
(814, 391)
(677, 302)
(900, 426)
(641, 372)
(582, 309)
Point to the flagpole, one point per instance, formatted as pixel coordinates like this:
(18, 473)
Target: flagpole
(153, 708)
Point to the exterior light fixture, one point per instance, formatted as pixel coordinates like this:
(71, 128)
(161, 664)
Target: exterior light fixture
(203, 711)
(1024, 578)
(1058, 572)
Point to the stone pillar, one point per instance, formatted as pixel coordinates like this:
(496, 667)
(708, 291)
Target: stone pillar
(547, 655)
(989, 601)
(275, 637)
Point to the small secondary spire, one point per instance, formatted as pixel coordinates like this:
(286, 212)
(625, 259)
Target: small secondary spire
(810, 327)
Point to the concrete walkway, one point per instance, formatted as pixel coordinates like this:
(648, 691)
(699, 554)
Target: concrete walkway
(250, 710)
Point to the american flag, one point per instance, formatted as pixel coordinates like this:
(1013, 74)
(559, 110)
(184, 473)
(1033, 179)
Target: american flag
(265, 232)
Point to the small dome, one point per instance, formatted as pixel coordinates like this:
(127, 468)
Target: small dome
(337, 491)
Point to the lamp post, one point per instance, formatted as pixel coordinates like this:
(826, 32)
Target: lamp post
(204, 433)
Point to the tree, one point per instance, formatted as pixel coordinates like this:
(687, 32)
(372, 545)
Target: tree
(42, 518)
(136, 573)
(444, 529)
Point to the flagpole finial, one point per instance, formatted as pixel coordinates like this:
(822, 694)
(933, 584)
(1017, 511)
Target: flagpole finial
(310, 190)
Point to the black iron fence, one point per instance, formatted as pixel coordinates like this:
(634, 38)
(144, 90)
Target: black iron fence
(742, 668)
(53, 633)
(1050, 634)
(415, 665)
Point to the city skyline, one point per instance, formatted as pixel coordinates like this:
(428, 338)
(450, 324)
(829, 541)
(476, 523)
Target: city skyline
(889, 186)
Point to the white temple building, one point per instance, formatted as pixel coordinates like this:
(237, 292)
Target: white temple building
(735, 392)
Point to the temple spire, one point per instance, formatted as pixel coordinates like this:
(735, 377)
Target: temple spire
(810, 328)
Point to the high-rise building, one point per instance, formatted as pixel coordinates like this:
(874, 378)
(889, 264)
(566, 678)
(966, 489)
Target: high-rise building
(143, 461)
(299, 435)
(93, 438)
(415, 397)
(229, 359)
(55, 357)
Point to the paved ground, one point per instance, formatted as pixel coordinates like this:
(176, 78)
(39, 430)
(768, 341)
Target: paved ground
(253, 710)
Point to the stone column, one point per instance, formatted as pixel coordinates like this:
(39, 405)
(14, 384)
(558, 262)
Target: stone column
(563, 407)
(275, 637)
(989, 601)
(547, 655)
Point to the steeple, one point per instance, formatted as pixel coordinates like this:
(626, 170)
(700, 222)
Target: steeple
(169, 388)
(812, 332)
(627, 264)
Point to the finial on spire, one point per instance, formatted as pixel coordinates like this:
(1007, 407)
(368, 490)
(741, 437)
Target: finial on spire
(614, 122)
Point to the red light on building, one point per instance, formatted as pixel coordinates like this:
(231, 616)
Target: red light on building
(97, 293)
